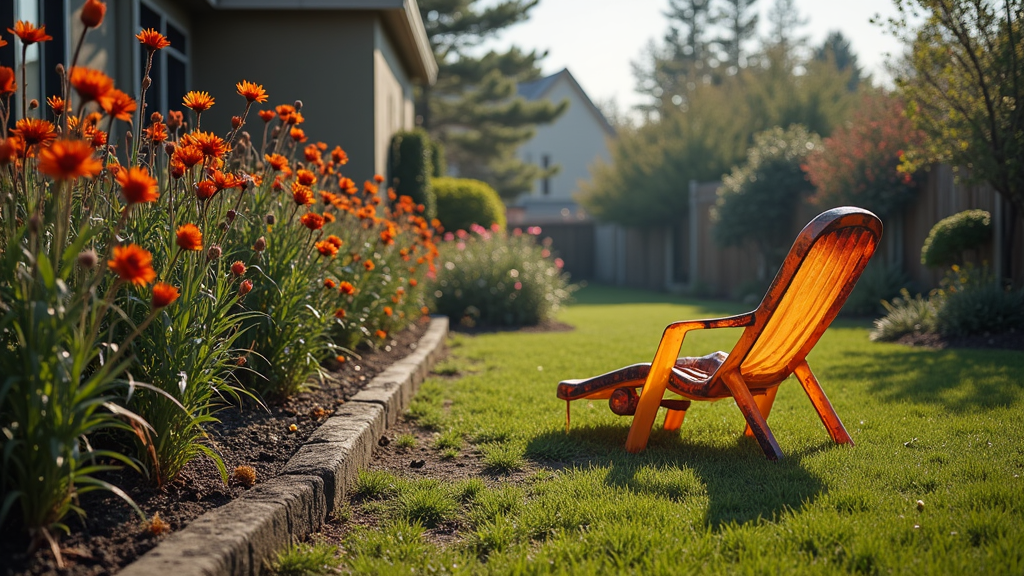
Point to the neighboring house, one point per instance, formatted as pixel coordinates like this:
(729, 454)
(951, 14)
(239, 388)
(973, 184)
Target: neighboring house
(573, 142)
(353, 63)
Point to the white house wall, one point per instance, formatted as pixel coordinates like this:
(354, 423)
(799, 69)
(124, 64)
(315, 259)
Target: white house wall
(574, 142)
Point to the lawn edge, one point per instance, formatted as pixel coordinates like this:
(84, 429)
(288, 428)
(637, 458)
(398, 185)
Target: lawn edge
(236, 539)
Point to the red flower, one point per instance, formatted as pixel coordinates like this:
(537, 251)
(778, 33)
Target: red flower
(134, 264)
(137, 185)
(64, 159)
(238, 268)
(245, 287)
(93, 12)
(347, 288)
(189, 237)
(164, 295)
(152, 39)
(28, 33)
(313, 221)
(266, 115)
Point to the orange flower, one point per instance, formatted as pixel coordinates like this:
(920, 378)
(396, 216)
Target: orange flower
(93, 12)
(137, 185)
(134, 264)
(245, 287)
(56, 103)
(302, 195)
(164, 295)
(347, 185)
(339, 156)
(28, 33)
(119, 105)
(35, 131)
(369, 188)
(152, 39)
(7, 83)
(188, 154)
(11, 149)
(369, 265)
(225, 181)
(251, 92)
(177, 168)
(238, 268)
(347, 288)
(325, 248)
(413, 282)
(175, 119)
(98, 139)
(91, 84)
(340, 315)
(388, 311)
(199, 102)
(205, 190)
(305, 177)
(381, 334)
(378, 178)
(329, 283)
(335, 240)
(312, 153)
(425, 310)
(157, 132)
(298, 134)
(284, 111)
(313, 221)
(266, 115)
(65, 159)
(189, 237)
(211, 144)
(276, 161)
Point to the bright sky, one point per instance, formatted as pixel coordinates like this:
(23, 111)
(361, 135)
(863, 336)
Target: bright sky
(597, 39)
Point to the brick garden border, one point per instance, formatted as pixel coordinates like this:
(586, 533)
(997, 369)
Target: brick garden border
(237, 538)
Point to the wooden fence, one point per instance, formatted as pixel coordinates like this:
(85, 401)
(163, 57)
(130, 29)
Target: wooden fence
(686, 258)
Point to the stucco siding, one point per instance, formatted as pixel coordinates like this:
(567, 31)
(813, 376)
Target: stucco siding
(392, 96)
(320, 57)
(574, 141)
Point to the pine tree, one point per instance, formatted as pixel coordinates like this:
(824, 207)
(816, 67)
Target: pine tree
(740, 26)
(837, 48)
(473, 108)
(682, 62)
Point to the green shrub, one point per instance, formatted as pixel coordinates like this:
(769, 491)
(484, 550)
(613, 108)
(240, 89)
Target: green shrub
(904, 315)
(410, 168)
(952, 236)
(493, 279)
(880, 281)
(437, 159)
(972, 302)
(462, 202)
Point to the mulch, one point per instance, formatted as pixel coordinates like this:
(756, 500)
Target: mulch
(112, 535)
(1012, 340)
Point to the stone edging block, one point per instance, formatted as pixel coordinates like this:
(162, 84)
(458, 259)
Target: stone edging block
(237, 538)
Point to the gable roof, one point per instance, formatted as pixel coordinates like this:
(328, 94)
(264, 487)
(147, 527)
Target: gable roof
(401, 19)
(538, 90)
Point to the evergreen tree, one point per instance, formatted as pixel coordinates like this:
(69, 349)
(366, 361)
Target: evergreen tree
(683, 61)
(473, 108)
(837, 48)
(783, 44)
(740, 26)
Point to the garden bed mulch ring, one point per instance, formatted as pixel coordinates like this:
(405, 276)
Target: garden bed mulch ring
(1013, 340)
(112, 535)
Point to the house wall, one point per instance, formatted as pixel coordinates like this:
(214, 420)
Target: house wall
(393, 97)
(574, 141)
(324, 58)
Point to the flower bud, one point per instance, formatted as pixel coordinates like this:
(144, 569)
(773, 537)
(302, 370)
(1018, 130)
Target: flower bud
(60, 70)
(245, 287)
(146, 83)
(298, 105)
(92, 13)
(169, 148)
(238, 268)
(260, 245)
(271, 219)
(33, 104)
(87, 259)
(236, 122)
(231, 215)
(214, 252)
(156, 117)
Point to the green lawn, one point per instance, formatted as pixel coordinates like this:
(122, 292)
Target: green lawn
(943, 427)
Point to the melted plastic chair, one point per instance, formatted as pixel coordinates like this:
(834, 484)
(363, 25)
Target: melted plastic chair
(821, 269)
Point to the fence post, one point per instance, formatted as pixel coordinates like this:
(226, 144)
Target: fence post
(694, 236)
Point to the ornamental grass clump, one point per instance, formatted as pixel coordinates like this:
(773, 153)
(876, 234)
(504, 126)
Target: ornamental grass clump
(154, 270)
(490, 278)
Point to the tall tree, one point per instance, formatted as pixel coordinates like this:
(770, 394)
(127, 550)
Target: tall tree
(740, 27)
(682, 61)
(784, 43)
(964, 85)
(837, 48)
(473, 108)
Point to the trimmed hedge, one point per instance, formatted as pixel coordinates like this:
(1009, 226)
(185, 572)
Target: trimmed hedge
(462, 202)
(952, 236)
(410, 167)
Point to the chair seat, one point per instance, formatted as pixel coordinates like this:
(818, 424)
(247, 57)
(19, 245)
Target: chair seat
(691, 377)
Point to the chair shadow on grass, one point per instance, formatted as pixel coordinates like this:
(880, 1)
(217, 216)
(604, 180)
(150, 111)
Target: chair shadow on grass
(740, 484)
(957, 380)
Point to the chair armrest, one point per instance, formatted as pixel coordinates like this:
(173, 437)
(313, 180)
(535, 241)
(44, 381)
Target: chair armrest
(739, 320)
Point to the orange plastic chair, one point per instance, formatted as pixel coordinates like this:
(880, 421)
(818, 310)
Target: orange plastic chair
(817, 276)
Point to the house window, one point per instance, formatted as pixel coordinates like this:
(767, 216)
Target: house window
(41, 59)
(170, 69)
(545, 162)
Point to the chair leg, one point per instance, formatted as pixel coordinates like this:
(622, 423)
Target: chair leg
(752, 413)
(821, 404)
(674, 419)
(764, 404)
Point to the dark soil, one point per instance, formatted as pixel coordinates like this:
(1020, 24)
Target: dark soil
(112, 535)
(1013, 340)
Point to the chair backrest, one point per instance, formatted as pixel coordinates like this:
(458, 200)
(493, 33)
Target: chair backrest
(817, 276)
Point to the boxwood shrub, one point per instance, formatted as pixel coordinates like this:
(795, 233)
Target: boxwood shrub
(462, 202)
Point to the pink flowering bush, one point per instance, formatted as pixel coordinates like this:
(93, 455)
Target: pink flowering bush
(487, 277)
